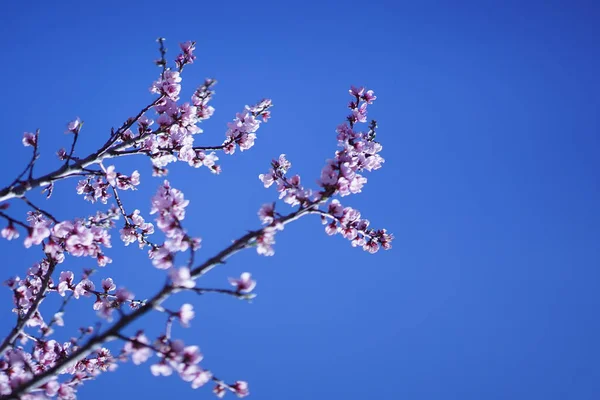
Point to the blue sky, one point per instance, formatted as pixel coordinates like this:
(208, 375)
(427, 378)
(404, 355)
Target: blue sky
(488, 116)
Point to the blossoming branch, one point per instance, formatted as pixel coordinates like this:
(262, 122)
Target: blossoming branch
(33, 364)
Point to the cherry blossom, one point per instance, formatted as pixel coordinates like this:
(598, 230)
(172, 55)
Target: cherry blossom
(181, 277)
(29, 139)
(33, 363)
(10, 232)
(186, 314)
(244, 284)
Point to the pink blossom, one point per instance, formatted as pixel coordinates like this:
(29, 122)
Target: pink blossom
(66, 392)
(168, 84)
(369, 97)
(29, 139)
(161, 258)
(267, 179)
(74, 126)
(108, 285)
(65, 282)
(37, 233)
(162, 368)
(241, 388)
(244, 284)
(356, 91)
(335, 209)
(138, 348)
(128, 235)
(10, 232)
(265, 242)
(51, 388)
(331, 228)
(186, 314)
(267, 213)
(219, 390)
(122, 295)
(58, 318)
(201, 378)
(83, 288)
(181, 277)
(61, 154)
(104, 307)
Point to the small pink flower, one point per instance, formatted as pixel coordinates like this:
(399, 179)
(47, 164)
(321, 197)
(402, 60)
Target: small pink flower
(138, 348)
(331, 228)
(74, 126)
(266, 214)
(245, 284)
(267, 179)
(219, 391)
(356, 91)
(65, 282)
(58, 319)
(83, 288)
(181, 277)
(241, 388)
(61, 154)
(51, 388)
(335, 209)
(369, 97)
(161, 369)
(10, 232)
(111, 175)
(108, 285)
(29, 139)
(66, 392)
(202, 378)
(123, 295)
(186, 314)
(103, 260)
(37, 234)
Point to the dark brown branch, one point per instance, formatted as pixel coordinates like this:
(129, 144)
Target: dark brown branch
(13, 221)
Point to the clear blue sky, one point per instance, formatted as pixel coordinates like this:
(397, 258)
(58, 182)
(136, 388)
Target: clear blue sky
(488, 113)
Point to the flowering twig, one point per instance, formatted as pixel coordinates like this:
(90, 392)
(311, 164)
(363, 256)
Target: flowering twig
(23, 319)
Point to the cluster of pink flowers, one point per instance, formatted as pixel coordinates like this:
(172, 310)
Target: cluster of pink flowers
(9, 232)
(39, 228)
(240, 388)
(18, 366)
(121, 181)
(79, 239)
(187, 54)
(359, 150)
(290, 189)
(169, 84)
(106, 301)
(175, 136)
(136, 229)
(348, 223)
(95, 188)
(169, 203)
(175, 356)
(242, 130)
(170, 137)
(341, 175)
(26, 290)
